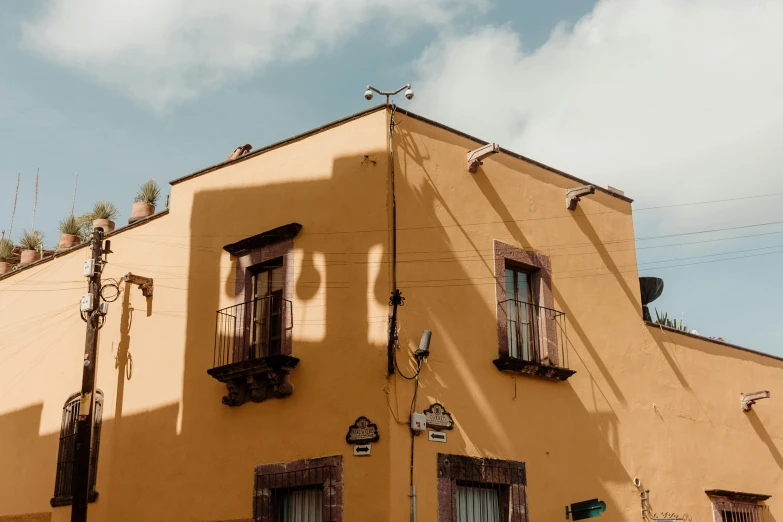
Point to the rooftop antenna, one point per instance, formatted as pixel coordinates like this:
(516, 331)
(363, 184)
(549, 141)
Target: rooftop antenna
(368, 94)
(35, 200)
(75, 184)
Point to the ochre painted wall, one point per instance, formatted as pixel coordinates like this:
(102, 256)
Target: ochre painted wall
(644, 402)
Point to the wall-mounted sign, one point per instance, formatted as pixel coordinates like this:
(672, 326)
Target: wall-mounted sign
(362, 450)
(438, 418)
(362, 432)
(436, 436)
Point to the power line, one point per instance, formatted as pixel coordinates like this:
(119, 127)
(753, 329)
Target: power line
(205, 248)
(709, 202)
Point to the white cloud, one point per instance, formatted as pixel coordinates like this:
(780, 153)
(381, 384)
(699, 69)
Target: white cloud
(670, 100)
(163, 52)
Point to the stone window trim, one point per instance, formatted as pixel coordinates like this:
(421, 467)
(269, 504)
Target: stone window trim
(254, 252)
(539, 268)
(455, 469)
(323, 471)
(745, 505)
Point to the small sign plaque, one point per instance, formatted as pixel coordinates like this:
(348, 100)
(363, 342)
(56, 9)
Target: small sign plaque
(362, 432)
(436, 436)
(438, 418)
(362, 450)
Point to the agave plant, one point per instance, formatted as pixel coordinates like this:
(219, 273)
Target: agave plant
(104, 210)
(6, 249)
(31, 239)
(70, 225)
(671, 323)
(149, 192)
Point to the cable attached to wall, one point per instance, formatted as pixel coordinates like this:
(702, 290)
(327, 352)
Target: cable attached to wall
(396, 300)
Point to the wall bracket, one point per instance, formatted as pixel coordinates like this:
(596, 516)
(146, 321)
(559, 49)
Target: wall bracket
(647, 512)
(749, 399)
(145, 283)
(475, 156)
(575, 194)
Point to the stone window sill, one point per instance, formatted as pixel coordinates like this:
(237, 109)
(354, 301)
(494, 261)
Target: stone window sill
(551, 373)
(256, 379)
(92, 496)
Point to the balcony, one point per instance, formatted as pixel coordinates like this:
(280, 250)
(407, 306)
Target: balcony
(252, 350)
(533, 341)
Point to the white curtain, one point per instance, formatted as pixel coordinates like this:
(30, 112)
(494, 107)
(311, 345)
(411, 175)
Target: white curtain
(303, 505)
(477, 504)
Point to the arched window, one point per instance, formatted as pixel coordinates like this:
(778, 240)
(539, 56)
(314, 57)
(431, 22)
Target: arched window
(65, 455)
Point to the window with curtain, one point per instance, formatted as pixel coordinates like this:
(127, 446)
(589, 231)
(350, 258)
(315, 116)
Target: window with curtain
(521, 313)
(67, 449)
(300, 505)
(481, 490)
(268, 283)
(309, 490)
(478, 503)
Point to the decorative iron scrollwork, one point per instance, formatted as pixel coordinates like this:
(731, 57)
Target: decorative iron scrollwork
(660, 516)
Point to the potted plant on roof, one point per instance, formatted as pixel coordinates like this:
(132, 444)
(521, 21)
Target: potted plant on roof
(103, 215)
(145, 201)
(6, 251)
(70, 230)
(31, 242)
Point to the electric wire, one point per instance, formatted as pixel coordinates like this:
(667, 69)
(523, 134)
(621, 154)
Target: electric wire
(548, 248)
(563, 216)
(559, 274)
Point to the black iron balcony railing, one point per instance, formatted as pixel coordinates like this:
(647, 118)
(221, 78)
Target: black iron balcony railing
(251, 330)
(536, 339)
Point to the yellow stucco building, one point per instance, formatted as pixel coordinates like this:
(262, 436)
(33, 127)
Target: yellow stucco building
(238, 389)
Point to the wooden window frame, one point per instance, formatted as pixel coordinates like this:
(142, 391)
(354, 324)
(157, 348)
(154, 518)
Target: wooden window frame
(255, 259)
(271, 478)
(510, 475)
(539, 268)
(66, 449)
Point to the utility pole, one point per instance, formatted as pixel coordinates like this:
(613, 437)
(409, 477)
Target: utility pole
(92, 314)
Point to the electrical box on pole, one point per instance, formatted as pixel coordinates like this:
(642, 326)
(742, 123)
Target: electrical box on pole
(92, 311)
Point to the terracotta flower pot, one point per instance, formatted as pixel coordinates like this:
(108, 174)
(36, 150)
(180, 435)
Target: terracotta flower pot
(141, 210)
(68, 241)
(5, 267)
(106, 224)
(29, 256)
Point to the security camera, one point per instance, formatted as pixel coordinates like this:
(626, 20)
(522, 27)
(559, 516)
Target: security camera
(424, 346)
(368, 94)
(409, 94)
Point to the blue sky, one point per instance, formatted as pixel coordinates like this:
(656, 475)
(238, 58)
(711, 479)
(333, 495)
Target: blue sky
(674, 102)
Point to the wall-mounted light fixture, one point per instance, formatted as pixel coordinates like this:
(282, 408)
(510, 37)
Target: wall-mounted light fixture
(749, 399)
(575, 194)
(475, 156)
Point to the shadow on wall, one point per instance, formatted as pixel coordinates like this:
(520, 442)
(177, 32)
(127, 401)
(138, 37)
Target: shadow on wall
(136, 466)
(663, 337)
(345, 240)
(330, 211)
(765, 437)
(205, 472)
(461, 374)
